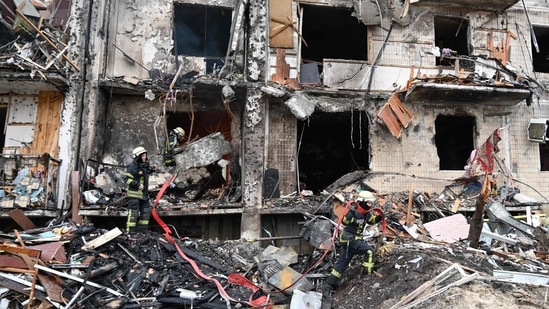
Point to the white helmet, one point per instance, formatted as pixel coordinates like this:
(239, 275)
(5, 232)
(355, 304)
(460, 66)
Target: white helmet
(179, 131)
(366, 196)
(138, 151)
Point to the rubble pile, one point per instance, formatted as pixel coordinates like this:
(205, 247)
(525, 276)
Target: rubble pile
(422, 257)
(28, 182)
(73, 266)
(35, 38)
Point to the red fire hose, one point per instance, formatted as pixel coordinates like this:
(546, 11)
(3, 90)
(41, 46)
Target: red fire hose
(167, 234)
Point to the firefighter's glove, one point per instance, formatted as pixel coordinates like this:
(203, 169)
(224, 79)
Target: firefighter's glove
(368, 266)
(134, 184)
(374, 218)
(141, 187)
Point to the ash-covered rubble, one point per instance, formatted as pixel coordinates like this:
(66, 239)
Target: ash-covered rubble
(199, 183)
(81, 266)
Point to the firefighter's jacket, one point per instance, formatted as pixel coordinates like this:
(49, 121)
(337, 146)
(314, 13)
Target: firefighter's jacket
(354, 224)
(137, 174)
(171, 143)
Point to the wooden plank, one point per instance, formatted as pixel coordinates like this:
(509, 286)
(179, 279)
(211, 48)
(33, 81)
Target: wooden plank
(54, 289)
(23, 221)
(409, 208)
(402, 108)
(46, 128)
(282, 74)
(18, 237)
(41, 34)
(21, 288)
(389, 119)
(33, 253)
(105, 238)
(395, 104)
(281, 10)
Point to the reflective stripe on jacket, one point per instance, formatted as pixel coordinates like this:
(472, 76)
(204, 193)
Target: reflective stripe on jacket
(353, 226)
(137, 174)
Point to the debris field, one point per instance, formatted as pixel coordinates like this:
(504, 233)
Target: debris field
(423, 260)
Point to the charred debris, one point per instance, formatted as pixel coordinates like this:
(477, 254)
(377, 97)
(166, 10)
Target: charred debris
(65, 264)
(70, 265)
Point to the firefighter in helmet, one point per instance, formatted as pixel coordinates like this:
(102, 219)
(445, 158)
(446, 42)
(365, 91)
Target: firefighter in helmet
(137, 183)
(175, 137)
(351, 238)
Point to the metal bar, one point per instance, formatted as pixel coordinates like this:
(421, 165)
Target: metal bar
(75, 297)
(130, 254)
(62, 274)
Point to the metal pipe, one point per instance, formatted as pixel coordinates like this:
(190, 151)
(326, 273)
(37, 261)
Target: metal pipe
(77, 279)
(75, 297)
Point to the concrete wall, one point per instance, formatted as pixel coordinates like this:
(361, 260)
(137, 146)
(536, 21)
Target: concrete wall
(415, 154)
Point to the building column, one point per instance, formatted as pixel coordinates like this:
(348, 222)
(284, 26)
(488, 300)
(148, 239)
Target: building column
(253, 156)
(253, 124)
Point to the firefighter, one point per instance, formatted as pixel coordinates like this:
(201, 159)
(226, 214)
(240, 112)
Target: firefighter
(174, 139)
(137, 183)
(351, 239)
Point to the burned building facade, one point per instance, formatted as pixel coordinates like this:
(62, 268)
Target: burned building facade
(300, 92)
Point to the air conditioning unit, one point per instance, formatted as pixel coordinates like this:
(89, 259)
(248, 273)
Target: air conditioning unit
(537, 130)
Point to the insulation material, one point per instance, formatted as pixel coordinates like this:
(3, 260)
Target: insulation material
(19, 136)
(301, 106)
(25, 111)
(448, 229)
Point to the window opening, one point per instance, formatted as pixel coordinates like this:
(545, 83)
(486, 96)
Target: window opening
(332, 145)
(541, 60)
(343, 37)
(204, 123)
(3, 115)
(454, 140)
(544, 153)
(202, 31)
(451, 33)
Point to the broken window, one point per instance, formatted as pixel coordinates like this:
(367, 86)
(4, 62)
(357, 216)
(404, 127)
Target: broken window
(540, 60)
(331, 145)
(454, 140)
(343, 37)
(544, 156)
(451, 36)
(202, 31)
(538, 132)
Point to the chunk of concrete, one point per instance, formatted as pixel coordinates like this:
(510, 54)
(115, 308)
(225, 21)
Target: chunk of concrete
(202, 152)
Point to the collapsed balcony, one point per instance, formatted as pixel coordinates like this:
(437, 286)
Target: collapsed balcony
(29, 185)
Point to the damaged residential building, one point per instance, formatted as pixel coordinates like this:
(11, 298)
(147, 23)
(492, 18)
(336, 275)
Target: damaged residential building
(278, 99)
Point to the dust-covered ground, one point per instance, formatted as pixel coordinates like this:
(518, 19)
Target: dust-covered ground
(416, 272)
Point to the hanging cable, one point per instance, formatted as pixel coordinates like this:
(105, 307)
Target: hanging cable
(352, 129)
